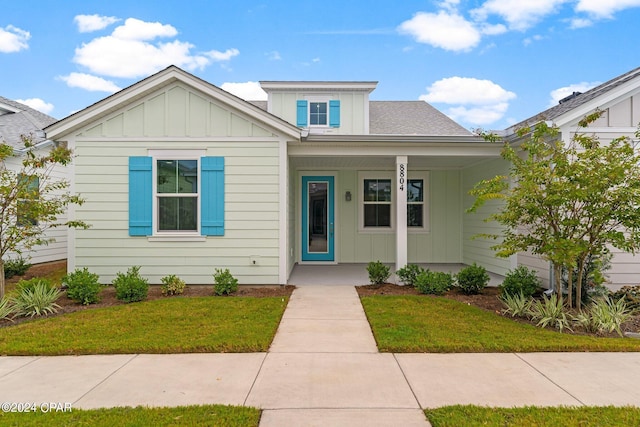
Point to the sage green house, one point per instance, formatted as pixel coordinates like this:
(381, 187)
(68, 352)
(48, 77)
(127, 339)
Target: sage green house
(181, 177)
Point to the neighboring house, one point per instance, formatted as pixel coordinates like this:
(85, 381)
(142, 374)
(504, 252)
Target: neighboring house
(181, 177)
(17, 119)
(619, 99)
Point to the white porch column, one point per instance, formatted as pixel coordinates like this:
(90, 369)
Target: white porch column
(401, 211)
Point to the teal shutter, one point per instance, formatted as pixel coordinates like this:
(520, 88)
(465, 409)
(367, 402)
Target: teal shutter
(334, 113)
(140, 196)
(301, 118)
(212, 200)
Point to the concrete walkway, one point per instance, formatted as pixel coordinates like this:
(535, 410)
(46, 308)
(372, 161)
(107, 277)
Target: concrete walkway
(323, 368)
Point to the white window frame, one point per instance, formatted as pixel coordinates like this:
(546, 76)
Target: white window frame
(424, 176)
(175, 155)
(318, 99)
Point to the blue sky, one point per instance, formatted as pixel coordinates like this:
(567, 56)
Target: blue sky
(485, 63)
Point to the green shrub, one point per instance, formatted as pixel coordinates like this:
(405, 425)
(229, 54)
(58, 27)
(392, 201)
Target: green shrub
(433, 282)
(172, 285)
(15, 267)
(516, 305)
(472, 279)
(550, 312)
(378, 272)
(83, 286)
(520, 280)
(35, 297)
(131, 287)
(592, 278)
(631, 294)
(224, 282)
(408, 274)
(604, 315)
(6, 308)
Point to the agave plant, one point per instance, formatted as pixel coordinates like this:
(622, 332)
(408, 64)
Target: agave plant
(516, 305)
(604, 315)
(37, 299)
(550, 312)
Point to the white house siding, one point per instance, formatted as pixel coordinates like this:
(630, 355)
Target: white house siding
(479, 250)
(177, 118)
(57, 249)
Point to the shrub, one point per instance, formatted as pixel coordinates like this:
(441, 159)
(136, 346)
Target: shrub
(131, 287)
(516, 305)
(433, 282)
(225, 283)
(408, 273)
(6, 309)
(521, 280)
(378, 272)
(172, 285)
(550, 312)
(604, 315)
(472, 279)
(35, 297)
(631, 294)
(83, 286)
(593, 276)
(15, 267)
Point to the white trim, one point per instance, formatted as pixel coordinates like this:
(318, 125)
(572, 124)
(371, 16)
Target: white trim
(71, 210)
(283, 248)
(402, 178)
(362, 175)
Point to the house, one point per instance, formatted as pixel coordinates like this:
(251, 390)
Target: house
(181, 177)
(16, 120)
(619, 99)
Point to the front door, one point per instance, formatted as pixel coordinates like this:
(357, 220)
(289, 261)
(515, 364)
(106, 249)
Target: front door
(317, 218)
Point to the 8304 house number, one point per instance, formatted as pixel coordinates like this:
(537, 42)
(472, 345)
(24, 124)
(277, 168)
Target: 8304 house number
(402, 172)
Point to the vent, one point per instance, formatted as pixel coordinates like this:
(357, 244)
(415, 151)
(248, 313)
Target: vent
(570, 97)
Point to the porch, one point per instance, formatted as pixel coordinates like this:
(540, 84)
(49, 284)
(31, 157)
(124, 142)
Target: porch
(355, 274)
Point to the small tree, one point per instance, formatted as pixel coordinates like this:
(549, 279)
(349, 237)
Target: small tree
(30, 200)
(567, 201)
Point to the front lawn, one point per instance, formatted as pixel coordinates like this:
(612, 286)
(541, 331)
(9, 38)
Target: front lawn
(205, 415)
(417, 324)
(171, 325)
(469, 415)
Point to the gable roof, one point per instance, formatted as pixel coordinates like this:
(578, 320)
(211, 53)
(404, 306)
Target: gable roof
(17, 119)
(585, 100)
(152, 83)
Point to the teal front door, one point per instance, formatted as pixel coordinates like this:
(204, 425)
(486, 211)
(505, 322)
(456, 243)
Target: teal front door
(317, 218)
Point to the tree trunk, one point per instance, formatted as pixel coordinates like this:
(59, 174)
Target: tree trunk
(570, 286)
(557, 272)
(579, 285)
(1, 278)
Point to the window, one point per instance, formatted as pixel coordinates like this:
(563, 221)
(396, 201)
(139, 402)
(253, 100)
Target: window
(31, 184)
(177, 195)
(377, 203)
(415, 203)
(318, 113)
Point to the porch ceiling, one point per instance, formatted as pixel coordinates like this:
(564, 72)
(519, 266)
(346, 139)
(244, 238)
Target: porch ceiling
(387, 162)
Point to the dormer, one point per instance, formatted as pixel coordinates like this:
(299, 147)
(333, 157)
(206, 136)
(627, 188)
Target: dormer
(321, 108)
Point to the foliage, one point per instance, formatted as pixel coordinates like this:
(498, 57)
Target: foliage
(520, 280)
(472, 279)
(570, 200)
(592, 278)
(31, 200)
(225, 283)
(131, 287)
(172, 285)
(631, 294)
(83, 286)
(35, 297)
(550, 311)
(433, 282)
(516, 305)
(6, 308)
(15, 267)
(408, 273)
(604, 315)
(378, 272)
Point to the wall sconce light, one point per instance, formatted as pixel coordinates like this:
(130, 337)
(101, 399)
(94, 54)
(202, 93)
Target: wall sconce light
(347, 196)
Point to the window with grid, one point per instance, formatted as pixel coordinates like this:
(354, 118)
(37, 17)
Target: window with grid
(377, 203)
(415, 203)
(177, 195)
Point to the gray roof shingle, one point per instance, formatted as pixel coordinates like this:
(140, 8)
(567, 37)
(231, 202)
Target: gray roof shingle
(26, 121)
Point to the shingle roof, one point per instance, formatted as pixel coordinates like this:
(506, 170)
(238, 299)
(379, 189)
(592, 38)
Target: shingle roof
(405, 118)
(576, 101)
(26, 121)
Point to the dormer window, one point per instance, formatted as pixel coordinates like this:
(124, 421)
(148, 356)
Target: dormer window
(318, 113)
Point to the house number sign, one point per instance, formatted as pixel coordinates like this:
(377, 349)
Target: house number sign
(402, 177)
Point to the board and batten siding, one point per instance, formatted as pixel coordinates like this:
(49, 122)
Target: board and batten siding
(178, 118)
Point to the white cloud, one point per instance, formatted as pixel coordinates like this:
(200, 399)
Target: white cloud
(13, 39)
(521, 14)
(37, 104)
(580, 23)
(445, 30)
(274, 55)
(475, 101)
(535, 38)
(249, 91)
(605, 8)
(89, 23)
(131, 51)
(89, 82)
(558, 94)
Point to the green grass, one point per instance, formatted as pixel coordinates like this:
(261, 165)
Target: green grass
(207, 415)
(468, 415)
(416, 324)
(172, 325)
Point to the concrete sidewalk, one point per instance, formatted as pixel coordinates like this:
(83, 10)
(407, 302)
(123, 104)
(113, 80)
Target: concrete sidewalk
(323, 368)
